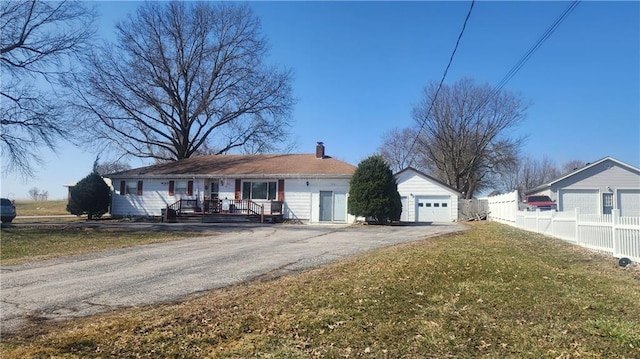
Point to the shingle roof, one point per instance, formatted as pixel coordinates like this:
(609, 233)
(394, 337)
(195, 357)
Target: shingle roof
(281, 165)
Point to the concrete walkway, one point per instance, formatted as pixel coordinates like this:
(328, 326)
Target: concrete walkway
(88, 284)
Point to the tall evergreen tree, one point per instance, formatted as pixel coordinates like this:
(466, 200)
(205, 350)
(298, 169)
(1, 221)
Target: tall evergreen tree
(373, 191)
(90, 196)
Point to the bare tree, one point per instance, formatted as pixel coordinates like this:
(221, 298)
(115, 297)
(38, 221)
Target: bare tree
(38, 195)
(107, 167)
(396, 147)
(571, 166)
(182, 79)
(38, 40)
(528, 173)
(465, 133)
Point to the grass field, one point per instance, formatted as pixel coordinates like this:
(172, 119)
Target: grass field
(493, 291)
(41, 208)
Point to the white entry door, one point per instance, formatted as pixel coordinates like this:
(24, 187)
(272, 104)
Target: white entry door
(333, 206)
(433, 209)
(405, 209)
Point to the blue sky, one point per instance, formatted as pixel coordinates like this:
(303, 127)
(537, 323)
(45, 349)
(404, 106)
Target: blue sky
(361, 66)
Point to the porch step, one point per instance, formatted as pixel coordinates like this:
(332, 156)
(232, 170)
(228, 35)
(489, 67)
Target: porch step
(229, 218)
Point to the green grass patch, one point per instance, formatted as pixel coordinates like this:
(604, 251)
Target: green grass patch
(23, 244)
(493, 291)
(41, 208)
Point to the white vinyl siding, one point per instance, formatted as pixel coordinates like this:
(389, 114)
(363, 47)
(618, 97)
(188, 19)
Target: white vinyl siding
(155, 196)
(404, 217)
(586, 200)
(301, 199)
(629, 202)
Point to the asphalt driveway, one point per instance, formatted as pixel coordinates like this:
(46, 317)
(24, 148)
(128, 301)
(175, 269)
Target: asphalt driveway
(88, 284)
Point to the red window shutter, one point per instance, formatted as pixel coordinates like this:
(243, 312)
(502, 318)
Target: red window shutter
(238, 189)
(190, 188)
(281, 190)
(172, 188)
(123, 188)
(139, 188)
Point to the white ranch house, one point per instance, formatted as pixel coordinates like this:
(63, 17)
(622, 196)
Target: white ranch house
(311, 188)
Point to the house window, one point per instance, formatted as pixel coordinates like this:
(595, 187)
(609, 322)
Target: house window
(259, 190)
(180, 188)
(607, 203)
(131, 187)
(444, 204)
(436, 204)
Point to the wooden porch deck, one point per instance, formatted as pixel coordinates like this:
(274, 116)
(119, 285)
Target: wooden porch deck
(222, 211)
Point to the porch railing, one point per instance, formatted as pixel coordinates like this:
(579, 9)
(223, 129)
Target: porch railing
(226, 206)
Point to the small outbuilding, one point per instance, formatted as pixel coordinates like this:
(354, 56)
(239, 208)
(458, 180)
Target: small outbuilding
(596, 188)
(425, 199)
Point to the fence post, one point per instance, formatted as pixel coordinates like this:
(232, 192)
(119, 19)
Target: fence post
(537, 220)
(615, 219)
(577, 210)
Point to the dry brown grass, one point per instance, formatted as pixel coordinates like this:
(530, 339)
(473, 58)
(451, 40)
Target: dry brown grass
(41, 208)
(493, 291)
(21, 244)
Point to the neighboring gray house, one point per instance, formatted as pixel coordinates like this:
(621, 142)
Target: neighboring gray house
(425, 199)
(597, 188)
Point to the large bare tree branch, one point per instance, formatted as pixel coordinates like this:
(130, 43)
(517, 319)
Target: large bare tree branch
(184, 77)
(465, 137)
(38, 43)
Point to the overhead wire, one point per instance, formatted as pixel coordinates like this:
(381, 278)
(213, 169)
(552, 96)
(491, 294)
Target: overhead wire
(444, 75)
(508, 76)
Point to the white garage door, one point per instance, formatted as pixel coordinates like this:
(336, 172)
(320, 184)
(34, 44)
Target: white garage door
(433, 209)
(629, 202)
(586, 200)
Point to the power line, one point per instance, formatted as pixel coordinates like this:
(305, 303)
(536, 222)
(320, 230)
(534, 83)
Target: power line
(444, 75)
(509, 75)
(550, 30)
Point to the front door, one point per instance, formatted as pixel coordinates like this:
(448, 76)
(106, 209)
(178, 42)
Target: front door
(326, 206)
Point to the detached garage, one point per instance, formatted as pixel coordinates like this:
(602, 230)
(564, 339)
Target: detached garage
(425, 199)
(597, 188)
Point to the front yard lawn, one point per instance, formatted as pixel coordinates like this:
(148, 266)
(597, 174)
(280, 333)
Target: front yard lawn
(23, 244)
(493, 291)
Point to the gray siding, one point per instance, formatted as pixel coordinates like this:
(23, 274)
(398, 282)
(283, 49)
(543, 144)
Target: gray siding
(605, 177)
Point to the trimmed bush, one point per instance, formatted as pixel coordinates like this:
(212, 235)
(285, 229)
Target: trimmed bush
(90, 196)
(373, 191)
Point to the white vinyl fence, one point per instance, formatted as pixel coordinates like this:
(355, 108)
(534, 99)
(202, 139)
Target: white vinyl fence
(611, 233)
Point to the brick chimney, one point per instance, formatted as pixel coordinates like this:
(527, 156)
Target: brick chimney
(320, 150)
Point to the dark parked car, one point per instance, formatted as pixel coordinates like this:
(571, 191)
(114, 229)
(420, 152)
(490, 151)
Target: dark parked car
(7, 211)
